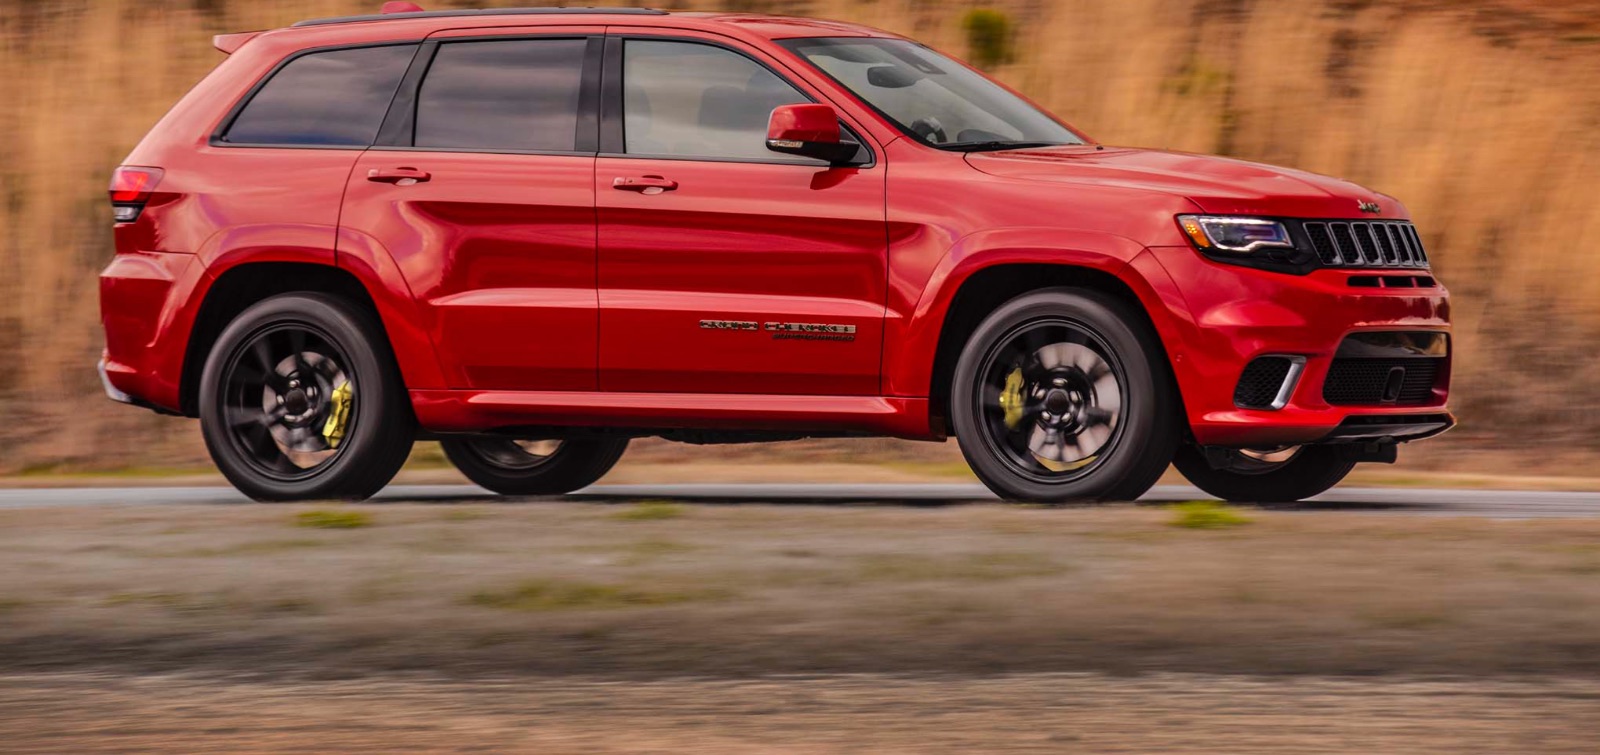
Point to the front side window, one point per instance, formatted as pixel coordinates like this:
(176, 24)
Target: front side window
(512, 95)
(336, 98)
(694, 100)
(930, 96)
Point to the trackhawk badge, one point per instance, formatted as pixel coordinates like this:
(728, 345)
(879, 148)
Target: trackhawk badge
(788, 331)
(1371, 208)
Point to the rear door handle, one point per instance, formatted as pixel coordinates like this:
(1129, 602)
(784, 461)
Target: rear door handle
(645, 184)
(398, 176)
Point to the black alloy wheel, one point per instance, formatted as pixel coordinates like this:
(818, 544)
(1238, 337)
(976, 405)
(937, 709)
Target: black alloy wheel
(1063, 395)
(1279, 475)
(534, 467)
(301, 400)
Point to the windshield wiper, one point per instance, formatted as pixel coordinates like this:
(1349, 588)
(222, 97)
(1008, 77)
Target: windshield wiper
(994, 146)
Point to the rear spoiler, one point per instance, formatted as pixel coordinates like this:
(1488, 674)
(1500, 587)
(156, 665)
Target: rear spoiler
(228, 43)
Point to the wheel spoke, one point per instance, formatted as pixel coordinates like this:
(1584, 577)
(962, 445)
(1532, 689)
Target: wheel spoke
(1108, 394)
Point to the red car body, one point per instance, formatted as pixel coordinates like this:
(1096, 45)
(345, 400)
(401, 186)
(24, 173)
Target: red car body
(526, 290)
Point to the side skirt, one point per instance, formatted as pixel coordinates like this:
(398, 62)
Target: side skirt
(485, 411)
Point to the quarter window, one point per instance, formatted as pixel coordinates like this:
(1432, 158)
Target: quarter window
(513, 95)
(694, 100)
(333, 98)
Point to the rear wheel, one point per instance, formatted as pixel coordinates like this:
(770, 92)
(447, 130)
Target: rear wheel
(300, 399)
(1063, 395)
(541, 467)
(1279, 475)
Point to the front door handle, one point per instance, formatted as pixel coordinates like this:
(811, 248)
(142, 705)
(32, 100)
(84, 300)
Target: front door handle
(645, 184)
(398, 176)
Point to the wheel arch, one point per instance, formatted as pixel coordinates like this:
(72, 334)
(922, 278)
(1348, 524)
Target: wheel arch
(238, 287)
(986, 287)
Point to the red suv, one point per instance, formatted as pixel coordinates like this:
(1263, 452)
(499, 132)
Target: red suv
(533, 234)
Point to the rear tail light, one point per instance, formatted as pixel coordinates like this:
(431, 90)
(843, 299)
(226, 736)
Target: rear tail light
(130, 190)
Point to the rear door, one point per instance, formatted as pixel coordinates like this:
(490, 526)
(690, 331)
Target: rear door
(482, 192)
(725, 267)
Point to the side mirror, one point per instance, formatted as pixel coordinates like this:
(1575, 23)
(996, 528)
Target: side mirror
(809, 130)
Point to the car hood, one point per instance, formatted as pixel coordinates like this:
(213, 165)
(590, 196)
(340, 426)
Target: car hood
(1217, 185)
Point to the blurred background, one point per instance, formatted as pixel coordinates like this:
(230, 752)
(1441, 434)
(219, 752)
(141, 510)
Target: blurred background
(1482, 115)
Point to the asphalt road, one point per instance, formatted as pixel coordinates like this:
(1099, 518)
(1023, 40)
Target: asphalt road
(1422, 501)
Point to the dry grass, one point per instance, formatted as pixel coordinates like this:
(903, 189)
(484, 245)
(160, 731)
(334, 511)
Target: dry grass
(1481, 115)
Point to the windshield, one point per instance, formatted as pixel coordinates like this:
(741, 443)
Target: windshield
(931, 97)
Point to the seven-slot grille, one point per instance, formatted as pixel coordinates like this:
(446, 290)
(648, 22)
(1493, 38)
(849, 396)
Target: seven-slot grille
(1367, 243)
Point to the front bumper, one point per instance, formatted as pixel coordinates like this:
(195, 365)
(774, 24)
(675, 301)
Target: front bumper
(1233, 314)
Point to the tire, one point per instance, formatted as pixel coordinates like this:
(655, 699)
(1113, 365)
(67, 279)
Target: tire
(1062, 402)
(294, 351)
(507, 468)
(1313, 470)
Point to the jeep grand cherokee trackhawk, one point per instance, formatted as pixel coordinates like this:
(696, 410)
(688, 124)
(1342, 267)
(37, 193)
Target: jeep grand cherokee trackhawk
(533, 234)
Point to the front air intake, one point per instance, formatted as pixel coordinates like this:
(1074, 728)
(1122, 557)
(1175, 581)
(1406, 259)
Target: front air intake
(1267, 382)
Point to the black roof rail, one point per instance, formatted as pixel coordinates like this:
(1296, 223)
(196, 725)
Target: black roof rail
(481, 12)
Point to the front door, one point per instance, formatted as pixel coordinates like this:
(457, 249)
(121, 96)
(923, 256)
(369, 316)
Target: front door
(486, 203)
(725, 267)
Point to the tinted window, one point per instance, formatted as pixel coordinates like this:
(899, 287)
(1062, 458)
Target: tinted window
(519, 94)
(337, 97)
(697, 100)
(938, 100)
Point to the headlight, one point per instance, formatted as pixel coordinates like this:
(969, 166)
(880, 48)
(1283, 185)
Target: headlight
(1238, 236)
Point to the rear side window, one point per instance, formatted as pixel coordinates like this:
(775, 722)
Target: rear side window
(512, 95)
(333, 98)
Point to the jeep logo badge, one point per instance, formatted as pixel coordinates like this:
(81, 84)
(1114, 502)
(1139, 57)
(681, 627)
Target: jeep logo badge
(1369, 207)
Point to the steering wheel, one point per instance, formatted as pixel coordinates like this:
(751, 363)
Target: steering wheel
(929, 128)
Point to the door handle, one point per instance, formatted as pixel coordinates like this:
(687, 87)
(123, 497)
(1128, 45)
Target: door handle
(645, 184)
(398, 176)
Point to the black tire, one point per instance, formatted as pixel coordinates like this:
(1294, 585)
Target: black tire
(1313, 470)
(1143, 433)
(501, 465)
(266, 350)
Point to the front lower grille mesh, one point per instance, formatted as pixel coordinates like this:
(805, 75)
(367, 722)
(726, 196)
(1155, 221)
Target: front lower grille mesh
(1260, 382)
(1355, 381)
(1367, 243)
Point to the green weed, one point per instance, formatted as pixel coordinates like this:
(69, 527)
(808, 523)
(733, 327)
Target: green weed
(1207, 515)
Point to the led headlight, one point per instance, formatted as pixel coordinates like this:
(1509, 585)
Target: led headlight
(1241, 236)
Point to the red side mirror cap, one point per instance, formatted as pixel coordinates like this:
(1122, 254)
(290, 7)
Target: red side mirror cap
(804, 123)
(809, 130)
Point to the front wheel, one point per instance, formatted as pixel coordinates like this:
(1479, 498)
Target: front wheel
(1271, 476)
(1064, 395)
(534, 467)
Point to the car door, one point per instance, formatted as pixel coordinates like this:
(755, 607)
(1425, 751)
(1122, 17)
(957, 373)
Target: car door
(482, 192)
(725, 267)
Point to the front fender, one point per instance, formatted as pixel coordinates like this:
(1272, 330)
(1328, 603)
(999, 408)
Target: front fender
(910, 353)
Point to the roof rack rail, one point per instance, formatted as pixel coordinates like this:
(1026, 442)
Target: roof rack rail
(481, 12)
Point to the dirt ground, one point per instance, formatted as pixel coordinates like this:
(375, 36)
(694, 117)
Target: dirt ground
(863, 713)
(741, 628)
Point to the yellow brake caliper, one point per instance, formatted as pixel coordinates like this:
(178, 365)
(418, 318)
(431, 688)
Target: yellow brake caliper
(1011, 399)
(339, 417)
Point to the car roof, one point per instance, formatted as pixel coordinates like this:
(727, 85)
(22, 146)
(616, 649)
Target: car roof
(740, 24)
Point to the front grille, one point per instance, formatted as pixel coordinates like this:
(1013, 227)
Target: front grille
(1365, 381)
(1367, 243)
(1260, 382)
